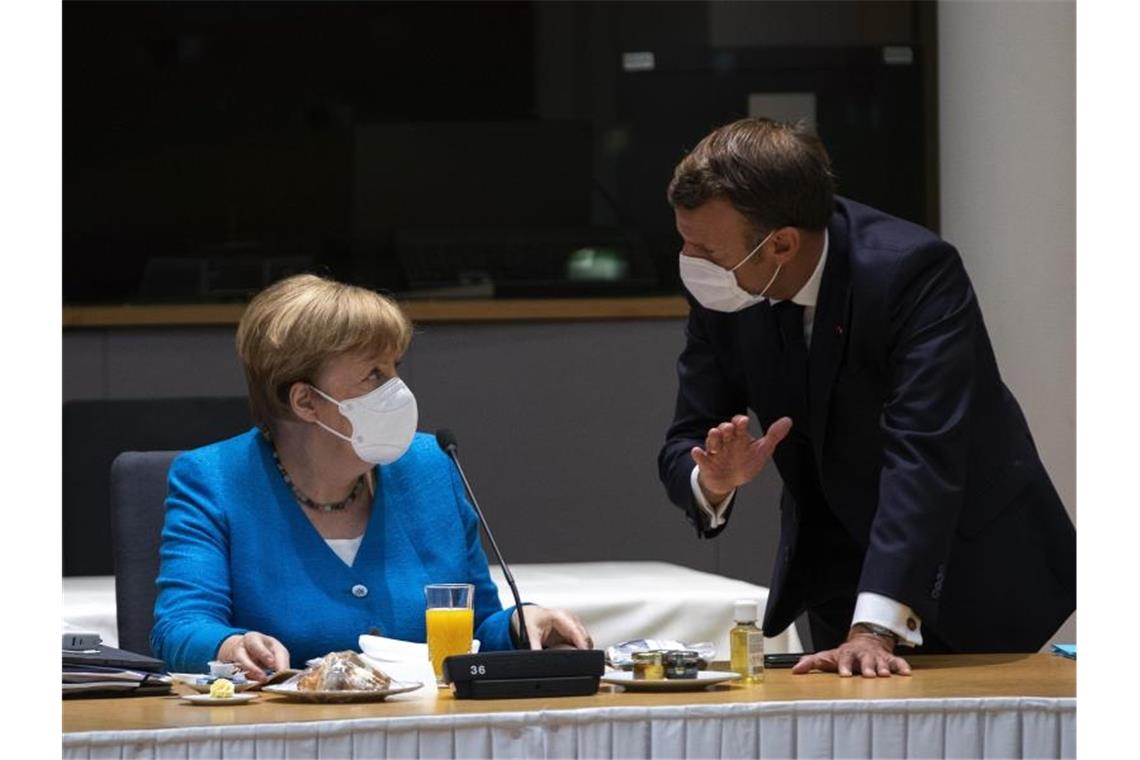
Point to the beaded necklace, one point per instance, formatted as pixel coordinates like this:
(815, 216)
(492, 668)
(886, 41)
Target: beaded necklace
(305, 501)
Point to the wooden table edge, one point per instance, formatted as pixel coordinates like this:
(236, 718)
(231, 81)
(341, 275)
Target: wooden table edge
(1037, 676)
(441, 310)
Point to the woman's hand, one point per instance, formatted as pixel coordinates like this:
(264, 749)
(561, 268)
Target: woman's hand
(254, 651)
(553, 628)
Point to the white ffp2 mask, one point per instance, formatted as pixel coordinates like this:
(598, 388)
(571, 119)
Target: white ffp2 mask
(716, 288)
(383, 421)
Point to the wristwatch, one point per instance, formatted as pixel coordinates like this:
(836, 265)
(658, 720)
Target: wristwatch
(880, 631)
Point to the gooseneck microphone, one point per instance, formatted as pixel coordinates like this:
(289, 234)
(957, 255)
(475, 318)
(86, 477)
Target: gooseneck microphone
(520, 673)
(447, 441)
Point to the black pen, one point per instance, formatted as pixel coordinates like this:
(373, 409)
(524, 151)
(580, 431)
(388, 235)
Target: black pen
(783, 659)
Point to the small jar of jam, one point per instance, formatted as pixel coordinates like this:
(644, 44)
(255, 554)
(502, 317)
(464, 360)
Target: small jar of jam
(648, 666)
(681, 663)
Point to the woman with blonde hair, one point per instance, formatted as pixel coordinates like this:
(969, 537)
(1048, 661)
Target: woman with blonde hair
(327, 519)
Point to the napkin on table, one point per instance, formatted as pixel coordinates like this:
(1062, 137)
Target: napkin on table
(403, 661)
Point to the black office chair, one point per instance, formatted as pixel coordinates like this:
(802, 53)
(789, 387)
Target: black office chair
(138, 507)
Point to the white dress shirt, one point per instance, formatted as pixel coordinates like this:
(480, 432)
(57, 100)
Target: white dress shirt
(875, 609)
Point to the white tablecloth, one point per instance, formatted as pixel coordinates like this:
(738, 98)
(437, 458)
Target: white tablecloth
(615, 600)
(618, 601)
(89, 605)
(982, 728)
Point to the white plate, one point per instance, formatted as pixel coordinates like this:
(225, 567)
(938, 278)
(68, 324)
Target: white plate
(704, 679)
(291, 692)
(206, 699)
(191, 680)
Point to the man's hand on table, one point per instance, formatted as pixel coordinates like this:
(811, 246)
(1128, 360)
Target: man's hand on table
(732, 456)
(549, 629)
(864, 652)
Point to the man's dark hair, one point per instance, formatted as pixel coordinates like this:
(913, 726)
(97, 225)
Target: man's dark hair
(775, 174)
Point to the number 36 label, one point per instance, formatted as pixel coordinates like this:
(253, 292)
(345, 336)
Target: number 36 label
(478, 670)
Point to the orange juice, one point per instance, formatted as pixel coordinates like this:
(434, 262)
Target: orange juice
(449, 631)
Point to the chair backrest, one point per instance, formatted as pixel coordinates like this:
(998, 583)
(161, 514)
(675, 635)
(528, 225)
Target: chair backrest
(138, 507)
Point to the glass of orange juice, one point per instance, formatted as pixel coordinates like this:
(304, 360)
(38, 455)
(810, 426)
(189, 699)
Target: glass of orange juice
(450, 621)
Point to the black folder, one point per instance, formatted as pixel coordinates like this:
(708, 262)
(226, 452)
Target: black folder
(114, 658)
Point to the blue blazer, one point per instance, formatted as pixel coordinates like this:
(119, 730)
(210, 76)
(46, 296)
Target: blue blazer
(239, 555)
(914, 475)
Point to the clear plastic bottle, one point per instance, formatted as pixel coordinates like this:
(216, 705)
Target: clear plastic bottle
(746, 642)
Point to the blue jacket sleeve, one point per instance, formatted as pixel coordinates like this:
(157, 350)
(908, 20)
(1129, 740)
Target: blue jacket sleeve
(492, 622)
(193, 609)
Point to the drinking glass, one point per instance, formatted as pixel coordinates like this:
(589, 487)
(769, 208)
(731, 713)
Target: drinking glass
(450, 621)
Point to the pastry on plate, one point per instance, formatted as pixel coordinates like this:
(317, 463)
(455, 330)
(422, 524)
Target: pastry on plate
(343, 671)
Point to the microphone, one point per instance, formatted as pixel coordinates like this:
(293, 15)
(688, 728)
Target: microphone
(447, 441)
(521, 673)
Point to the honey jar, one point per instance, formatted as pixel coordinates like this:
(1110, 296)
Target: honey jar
(648, 666)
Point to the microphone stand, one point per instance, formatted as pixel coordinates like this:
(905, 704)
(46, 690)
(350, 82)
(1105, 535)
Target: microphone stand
(523, 672)
(451, 448)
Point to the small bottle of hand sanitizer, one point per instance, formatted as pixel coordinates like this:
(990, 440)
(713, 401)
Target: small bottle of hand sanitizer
(746, 642)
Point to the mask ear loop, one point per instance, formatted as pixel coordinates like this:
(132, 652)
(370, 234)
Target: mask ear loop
(327, 396)
(337, 433)
(777, 274)
(753, 253)
(754, 250)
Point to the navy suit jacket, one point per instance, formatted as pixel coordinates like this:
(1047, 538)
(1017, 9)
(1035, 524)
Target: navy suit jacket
(915, 475)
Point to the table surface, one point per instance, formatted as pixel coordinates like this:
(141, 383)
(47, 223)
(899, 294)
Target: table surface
(935, 677)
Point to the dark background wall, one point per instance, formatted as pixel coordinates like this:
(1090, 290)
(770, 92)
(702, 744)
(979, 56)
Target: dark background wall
(210, 148)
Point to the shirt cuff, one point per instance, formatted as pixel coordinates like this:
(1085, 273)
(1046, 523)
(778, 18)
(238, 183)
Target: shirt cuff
(715, 513)
(896, 617)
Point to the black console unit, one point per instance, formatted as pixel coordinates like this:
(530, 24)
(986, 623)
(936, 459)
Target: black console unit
(525, 673)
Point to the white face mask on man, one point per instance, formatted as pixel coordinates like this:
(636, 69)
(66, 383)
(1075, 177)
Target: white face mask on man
(383, 421)
(716, 288)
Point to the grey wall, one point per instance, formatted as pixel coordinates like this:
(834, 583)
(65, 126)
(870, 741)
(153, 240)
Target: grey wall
(559, 426)
(1007, 83)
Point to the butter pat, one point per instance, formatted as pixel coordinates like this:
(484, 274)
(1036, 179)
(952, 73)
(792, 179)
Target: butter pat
(221, 689)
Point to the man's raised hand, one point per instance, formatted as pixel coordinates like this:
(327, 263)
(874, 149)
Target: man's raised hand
(732, 457)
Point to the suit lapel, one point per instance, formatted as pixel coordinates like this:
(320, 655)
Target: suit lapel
(829, 329)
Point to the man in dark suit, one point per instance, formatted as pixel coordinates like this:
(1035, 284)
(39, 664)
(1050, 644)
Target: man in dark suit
(915, 509)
